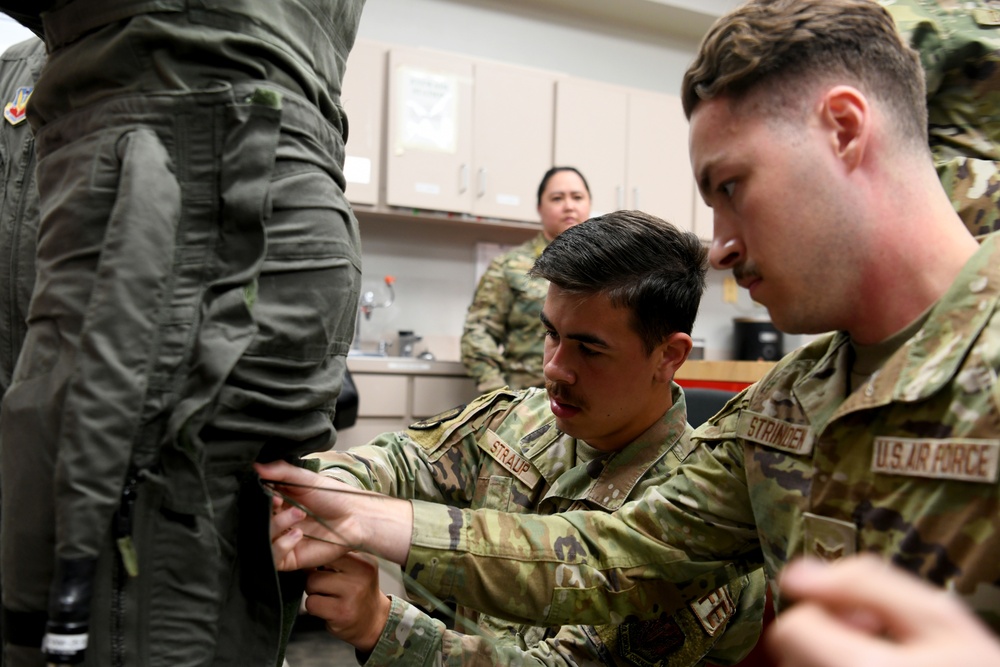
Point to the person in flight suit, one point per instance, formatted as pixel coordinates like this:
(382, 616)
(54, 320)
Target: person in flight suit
(808, 139)
(502, 338)
(20, 66)
(623, 292)
(198, 269)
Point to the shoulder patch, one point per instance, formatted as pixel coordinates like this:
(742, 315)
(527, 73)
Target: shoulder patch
(644, 643)
(437, 420)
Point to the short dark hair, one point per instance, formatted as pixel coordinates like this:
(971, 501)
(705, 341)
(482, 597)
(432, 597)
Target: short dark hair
(552, 172)
(782, 44)
(640, 262)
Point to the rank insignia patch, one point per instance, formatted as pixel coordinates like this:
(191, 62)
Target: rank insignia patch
(15, 112)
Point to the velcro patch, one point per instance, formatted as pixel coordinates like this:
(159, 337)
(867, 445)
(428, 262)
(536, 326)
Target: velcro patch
(986, 17)
(515, 464)
(649, 643)
(775, 433)
(713, 610)
(437, 420)
(827, 538)
(963, 459)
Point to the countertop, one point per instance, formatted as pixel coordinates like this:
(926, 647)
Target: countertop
(723, 371)
(404, 366)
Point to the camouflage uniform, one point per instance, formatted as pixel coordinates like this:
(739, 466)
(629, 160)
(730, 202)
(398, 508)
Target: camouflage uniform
(503, 452)
(503, 338)
(905, 466)
(959, 46)
(198, 269)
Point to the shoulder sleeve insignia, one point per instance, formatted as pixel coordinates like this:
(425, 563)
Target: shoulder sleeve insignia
(15, 111)
(644, 643)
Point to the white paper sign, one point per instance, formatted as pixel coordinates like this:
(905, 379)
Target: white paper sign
(428, 109)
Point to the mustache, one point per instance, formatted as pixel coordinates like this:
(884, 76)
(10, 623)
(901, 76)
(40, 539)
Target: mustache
(558, 392)
(745, 270)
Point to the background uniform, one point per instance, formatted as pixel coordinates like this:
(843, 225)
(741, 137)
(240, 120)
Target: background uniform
(503, 339)
(959, 47)
(198, 276)
(905, 466)
(504, 452)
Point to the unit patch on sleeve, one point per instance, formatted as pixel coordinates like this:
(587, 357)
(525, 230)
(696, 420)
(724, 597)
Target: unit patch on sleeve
(515, 464)
(775, 433)
(16, 111)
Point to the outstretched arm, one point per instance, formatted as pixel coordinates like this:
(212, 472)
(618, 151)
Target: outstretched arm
(342, 519)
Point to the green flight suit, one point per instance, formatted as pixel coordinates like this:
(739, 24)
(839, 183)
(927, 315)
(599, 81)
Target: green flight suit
(198, 271)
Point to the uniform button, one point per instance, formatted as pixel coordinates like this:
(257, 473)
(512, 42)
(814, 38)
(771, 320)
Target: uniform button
(978, 285)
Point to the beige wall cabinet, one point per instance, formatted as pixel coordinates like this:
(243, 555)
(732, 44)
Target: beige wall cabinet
(429, 141)
(591, 135)
(363, 98)
(395, 392)
(466, 136)
(630, 144)
(512, 148)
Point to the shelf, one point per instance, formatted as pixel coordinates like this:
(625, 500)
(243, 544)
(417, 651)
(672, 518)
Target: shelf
(417, 216)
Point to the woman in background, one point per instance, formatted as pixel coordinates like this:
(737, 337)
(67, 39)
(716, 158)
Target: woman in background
(503, 337)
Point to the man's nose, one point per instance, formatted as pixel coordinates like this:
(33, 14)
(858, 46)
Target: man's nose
(726, 250)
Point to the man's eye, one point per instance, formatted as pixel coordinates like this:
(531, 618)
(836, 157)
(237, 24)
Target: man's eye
(549, 333)
(728, 187)
(587, 351)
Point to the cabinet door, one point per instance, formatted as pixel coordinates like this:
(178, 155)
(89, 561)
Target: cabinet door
(590, 134)
(363, 98)
(512, 139)
(429, 143)
(658, 172)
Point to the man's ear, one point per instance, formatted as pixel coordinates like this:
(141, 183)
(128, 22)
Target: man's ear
(673, 351)
(847, 116)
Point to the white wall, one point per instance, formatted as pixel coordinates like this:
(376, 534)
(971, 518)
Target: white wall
(11, 32)
(574, 47)
(433, 294)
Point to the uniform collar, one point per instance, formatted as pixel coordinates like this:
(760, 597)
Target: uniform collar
(608, 481)
(925, 363)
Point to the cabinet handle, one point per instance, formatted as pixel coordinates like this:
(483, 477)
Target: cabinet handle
(482, 182)
(463, 179)
(620, 197)
(635, 199)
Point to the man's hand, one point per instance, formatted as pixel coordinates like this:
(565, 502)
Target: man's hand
(346, 519)
(861, 612)
(346, 594)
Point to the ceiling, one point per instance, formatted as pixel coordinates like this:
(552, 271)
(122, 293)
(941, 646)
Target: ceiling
(685, 19)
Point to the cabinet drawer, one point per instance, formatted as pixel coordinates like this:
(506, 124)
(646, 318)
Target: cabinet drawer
(381, 395)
